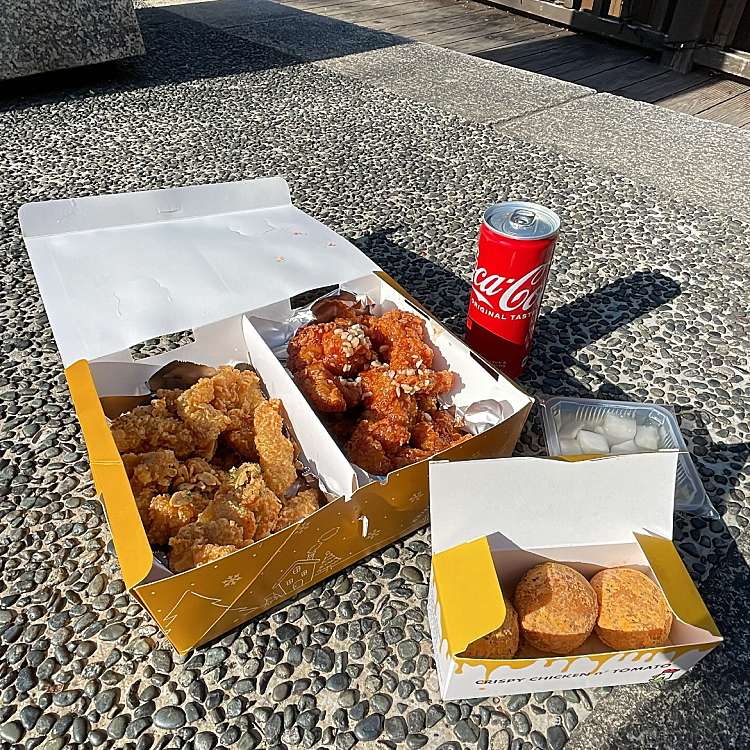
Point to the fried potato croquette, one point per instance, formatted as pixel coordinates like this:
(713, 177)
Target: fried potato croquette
(501, 643)
(557, 607)
(633, 612)
(275, 450)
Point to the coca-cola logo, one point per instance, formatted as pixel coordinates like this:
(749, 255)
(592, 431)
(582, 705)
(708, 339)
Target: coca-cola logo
(523, 293)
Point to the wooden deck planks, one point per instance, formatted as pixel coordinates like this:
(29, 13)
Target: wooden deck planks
(480, 28)
(523, 42)
(576, 59)
(623, 75)
(661, 86)
(734, 111)
(704, 96)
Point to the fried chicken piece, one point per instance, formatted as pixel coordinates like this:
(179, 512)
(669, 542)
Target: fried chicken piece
(207, 553)
(351, 390)
(343, 346)
(436, 432)
(399, 339)
(228, 503)
(427, 403)
(157, 426)
(195, 407)
(198, 471)
(167, 514)
(366, 451)
(320, 388)
(275, 450)
(248, 482)
(389, 409)
(408, 455)
(179, 493)
(409, 352)
(346, 348)
(395, 426)
(306, 346)
(199, 543)
(150, 474)
(225, 403)
(296, 508)
(193, 487)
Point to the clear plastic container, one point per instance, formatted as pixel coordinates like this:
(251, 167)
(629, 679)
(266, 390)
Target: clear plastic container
(564, 418)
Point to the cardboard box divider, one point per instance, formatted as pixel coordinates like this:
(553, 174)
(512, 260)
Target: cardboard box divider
(589, 514)
(117, 270)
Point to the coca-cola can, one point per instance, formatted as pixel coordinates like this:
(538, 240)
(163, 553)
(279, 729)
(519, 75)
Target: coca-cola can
(514, 255)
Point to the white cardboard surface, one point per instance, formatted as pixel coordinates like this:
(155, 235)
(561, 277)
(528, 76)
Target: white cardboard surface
(542, 502)
(115, 270)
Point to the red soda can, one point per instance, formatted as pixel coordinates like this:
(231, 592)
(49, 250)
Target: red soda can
(516, 244)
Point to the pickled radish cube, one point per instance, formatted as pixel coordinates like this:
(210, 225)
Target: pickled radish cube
(592, 442)
(628, 446)
(569, 447)
(647, 437)
(618, 429)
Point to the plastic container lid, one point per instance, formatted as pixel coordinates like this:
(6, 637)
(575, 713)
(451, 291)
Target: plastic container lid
(562, 413)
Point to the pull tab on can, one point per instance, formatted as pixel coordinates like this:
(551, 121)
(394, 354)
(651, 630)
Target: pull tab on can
(521, 220)
(522, 217)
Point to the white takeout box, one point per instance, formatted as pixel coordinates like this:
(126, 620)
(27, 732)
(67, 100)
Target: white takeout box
(117, 270)
(492, 520)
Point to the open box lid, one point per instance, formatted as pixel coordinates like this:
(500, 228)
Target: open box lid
(546, 502)
(116, 270)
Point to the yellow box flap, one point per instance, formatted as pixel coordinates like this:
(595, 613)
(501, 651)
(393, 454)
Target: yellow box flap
(683, 596)
(471, 602)
(110, 479)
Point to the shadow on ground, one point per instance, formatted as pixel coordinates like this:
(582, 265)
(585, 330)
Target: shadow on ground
(172, 39)
(560, 335)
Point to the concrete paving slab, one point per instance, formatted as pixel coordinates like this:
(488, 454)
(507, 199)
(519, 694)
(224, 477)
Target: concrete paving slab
(479, 90)
(696, 160)
(315, 38)
(38, 36)
(224, 13)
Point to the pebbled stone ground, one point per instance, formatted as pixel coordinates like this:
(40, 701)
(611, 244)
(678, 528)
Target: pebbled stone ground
(648, 301)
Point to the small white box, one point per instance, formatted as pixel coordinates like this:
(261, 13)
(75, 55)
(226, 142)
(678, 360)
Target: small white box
(492, 520)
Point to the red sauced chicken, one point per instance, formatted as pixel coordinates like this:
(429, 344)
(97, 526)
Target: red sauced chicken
(371, 380)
